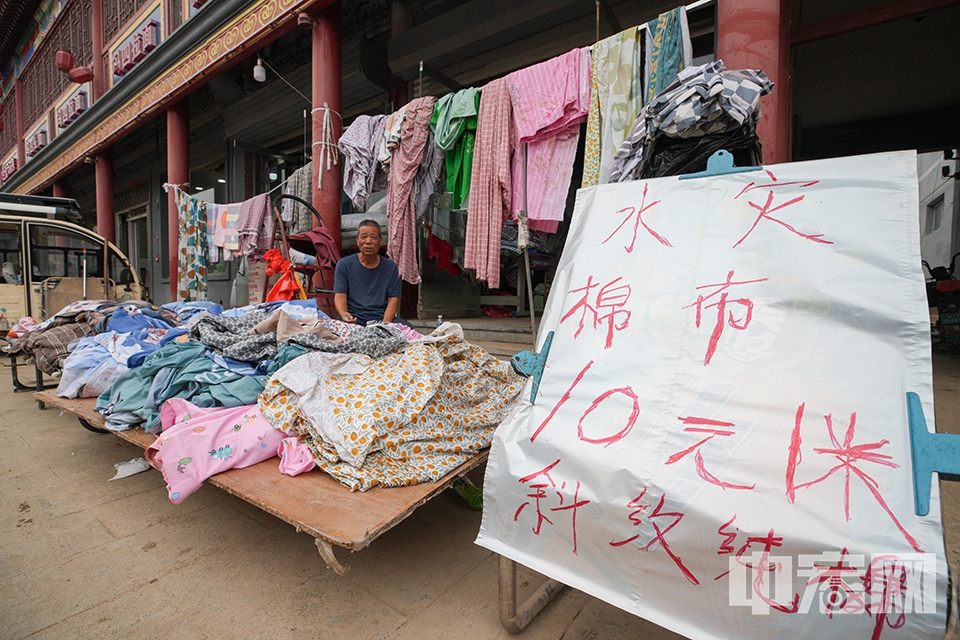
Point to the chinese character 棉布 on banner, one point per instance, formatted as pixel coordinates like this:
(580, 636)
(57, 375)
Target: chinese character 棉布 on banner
(720, 439)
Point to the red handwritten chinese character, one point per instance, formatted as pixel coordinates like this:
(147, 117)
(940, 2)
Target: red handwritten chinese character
(605, 307)
(631, 211)
(767, 207)
(540, 493)
(660, 534)
(606, 441)
(573, 506)
(762, 569)
(848, 456)
(721, 305)
(698, 458)
(886, 582)
(726, 547)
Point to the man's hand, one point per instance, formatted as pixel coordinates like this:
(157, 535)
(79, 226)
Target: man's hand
(340, 302)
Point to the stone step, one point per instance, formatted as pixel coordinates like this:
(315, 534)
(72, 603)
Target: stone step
(500, 330)
(502, 350)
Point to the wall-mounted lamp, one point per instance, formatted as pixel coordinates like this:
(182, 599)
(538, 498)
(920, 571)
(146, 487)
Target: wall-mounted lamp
(259, 72)
(222, 180)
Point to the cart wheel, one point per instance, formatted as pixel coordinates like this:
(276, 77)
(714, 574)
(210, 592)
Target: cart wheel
(90, 427)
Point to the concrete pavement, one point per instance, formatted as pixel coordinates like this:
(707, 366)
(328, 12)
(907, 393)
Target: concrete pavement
(81, 557)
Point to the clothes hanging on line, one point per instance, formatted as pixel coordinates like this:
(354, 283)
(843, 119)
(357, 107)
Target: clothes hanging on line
(448, 231)
(359, 146)
(214, 252)
(454, 125)
(297, 216)
(192, 248)
(412, 167)
(550, 101)
(491, 183)
(668, 50)
(255, 227)
(230, 215)
(616, 98)
(391, 135)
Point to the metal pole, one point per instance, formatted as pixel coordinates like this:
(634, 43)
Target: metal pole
(510, 619)
(84, 274)
(526, 251)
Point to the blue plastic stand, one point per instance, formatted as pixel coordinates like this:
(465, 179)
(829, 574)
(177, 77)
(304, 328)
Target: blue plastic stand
(530, 364)
(720, 163)
(930, 452)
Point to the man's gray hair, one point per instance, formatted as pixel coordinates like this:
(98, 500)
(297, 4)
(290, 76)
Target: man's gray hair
(369, 223)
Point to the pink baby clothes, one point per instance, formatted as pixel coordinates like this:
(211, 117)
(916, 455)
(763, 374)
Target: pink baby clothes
(550, 101)
(197, 443)
(295, 457)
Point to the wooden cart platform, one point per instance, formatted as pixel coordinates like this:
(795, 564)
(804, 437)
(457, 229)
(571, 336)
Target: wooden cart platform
(313, 502)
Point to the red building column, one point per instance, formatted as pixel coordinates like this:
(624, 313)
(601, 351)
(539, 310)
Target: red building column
(21, 145)
(106, 226)
(326, 92)
(60, 188)
(755, 34)
(96, 27)
(178, 173)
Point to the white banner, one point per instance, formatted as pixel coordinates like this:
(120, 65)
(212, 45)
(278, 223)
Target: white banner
(720, 439)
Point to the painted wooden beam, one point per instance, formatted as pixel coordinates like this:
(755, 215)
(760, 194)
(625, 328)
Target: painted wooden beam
(872, 17)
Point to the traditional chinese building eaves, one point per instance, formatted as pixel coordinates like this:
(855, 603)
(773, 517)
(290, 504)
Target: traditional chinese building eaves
(204, 46)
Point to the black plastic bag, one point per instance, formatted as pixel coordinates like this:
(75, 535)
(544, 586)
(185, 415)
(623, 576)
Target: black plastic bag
(677, 156)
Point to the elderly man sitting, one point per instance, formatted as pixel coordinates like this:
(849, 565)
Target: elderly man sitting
(366, 285)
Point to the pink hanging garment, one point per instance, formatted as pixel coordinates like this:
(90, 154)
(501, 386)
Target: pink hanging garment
(550, 101)
(490, 183)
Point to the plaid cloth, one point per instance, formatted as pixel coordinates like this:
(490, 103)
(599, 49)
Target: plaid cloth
(255, 226)
(702, 101)
(490, 183)
(50, 345)
(362, 172)
(412, 168)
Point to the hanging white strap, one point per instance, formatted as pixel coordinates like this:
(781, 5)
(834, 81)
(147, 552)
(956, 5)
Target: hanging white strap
(328, 148)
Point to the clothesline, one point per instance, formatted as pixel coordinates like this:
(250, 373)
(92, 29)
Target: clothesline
(167, 186)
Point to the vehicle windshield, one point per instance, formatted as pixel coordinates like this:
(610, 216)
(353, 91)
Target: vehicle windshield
(61, 253)
(10, 253)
